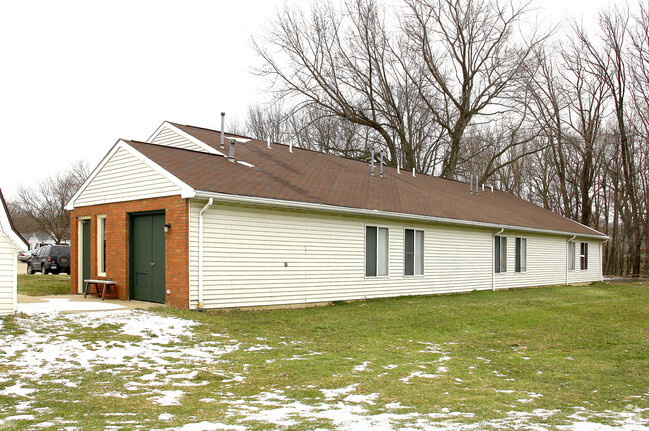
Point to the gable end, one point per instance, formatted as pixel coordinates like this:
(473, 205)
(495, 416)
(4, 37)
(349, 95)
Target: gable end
(126, 175)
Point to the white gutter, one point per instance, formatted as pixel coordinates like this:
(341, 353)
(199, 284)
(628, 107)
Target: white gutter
(309, 206)
(568, 257)
(200, 253)
(493, 259)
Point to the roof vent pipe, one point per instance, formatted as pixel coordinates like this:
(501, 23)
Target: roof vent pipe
(476, 185)
(372, 163)
(290, 147)
(268, 144)
(222, 131)
(483, 187)
(492, 188)
(471, 185)
(231, 156)
(381, 164)
(413, 171)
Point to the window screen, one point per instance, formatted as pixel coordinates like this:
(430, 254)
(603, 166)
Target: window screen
(370, 251)
(376, 251)
(419, 252)
(414, 252)
(571, 256)
(583, 258)
(521, 254)
(500, 254)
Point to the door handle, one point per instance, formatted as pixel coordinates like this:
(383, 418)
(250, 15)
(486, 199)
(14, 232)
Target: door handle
(152, 262)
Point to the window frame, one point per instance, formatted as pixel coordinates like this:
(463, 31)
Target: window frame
(414, 252)
(498, 254)
(583, 256)
(101, 245)
(520, 255)
(378, 228)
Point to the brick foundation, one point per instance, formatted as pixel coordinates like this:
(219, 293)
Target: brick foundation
(117, 244)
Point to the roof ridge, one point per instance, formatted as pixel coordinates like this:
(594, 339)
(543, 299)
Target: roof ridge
(315, 151)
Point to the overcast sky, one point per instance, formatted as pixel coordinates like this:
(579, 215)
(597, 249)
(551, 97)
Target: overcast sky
(75, 76)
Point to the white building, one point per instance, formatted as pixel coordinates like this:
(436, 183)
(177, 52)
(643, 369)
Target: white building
(10, 244)
(175, 220)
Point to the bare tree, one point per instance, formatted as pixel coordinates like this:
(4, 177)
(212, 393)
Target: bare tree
(45, 202)
(611, 62)
(586, 95)
(347, 64)
(467, 60)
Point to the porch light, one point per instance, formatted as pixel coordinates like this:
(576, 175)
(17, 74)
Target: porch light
(167, 227)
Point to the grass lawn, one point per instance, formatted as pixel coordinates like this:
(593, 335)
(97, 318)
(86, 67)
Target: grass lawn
(40, 285)
(545, 358)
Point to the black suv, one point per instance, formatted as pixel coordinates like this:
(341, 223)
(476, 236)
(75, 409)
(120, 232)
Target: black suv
(50, 258)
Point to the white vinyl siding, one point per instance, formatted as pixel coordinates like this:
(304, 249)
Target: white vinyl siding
(257, 257)
(8, 269)
(594, 263)
(170, 138)
(125, 178)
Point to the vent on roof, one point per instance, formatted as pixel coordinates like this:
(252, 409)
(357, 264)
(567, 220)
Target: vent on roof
(381, 157)
(231, 156)
(372, 162)
(471, 184)
(222, 146)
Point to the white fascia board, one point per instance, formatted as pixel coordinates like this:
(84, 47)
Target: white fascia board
(596, 233)
(186, 190)
(187, 136)
(308, 206)
(5, 226)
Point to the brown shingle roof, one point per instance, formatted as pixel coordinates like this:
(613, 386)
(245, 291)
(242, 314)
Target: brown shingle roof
(313, 177)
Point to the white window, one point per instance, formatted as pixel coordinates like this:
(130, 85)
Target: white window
(500, 254)
(101, 245)
(414, 252)
(521, 254)
(376, 251)
(583, 257)
(571, 256)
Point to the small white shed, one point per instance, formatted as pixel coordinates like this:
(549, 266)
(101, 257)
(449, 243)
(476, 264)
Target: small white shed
(10, 244)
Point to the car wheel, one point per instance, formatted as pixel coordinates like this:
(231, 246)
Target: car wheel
(43, 270)
(30, 270)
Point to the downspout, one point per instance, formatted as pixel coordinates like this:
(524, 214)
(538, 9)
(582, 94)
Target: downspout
(601, 261)
(493, 259)
(200, 253)
(568, 257)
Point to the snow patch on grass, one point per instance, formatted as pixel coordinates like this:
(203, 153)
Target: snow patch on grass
(361, 367)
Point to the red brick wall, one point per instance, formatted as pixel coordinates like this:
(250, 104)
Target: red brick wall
(117, 244)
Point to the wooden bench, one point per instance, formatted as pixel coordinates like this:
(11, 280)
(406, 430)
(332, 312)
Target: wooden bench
(101, 286)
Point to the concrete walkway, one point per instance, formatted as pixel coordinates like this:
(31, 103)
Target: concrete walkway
(79, 304)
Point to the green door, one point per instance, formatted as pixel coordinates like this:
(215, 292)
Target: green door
(85, 252)
(148, 257)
